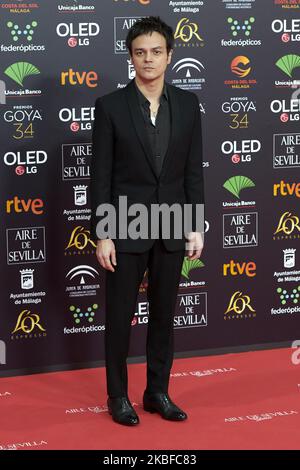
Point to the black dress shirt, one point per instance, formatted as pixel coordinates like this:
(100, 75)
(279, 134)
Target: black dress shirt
(158, 133)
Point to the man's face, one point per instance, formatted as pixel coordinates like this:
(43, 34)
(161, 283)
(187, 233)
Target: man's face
(149, 56)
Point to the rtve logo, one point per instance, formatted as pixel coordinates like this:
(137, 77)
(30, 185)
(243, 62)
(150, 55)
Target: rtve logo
(79, 78)
(238, 269)
(36, 206)
(286, 189)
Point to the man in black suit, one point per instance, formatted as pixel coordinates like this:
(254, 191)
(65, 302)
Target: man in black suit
(147, 146)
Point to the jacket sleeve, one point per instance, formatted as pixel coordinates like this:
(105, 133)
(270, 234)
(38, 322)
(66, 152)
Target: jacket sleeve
(102, 161)
(193, 177)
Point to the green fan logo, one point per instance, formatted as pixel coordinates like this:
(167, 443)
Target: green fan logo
(188, 265)
(16, 31)
(20, 70)
(235, 184)
(288, 63)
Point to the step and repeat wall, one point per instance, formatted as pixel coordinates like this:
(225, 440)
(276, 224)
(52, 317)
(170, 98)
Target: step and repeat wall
(242, 59)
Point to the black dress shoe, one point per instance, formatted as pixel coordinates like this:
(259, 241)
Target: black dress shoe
(122, 411)
(162, 404)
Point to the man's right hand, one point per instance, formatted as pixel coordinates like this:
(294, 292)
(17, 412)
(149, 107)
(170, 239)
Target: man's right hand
(106, 254)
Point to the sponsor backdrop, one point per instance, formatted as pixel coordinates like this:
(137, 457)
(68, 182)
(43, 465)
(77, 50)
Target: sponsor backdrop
(242, 59)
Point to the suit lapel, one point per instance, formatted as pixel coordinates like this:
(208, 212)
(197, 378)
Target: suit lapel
(175, 128)
(139, 124)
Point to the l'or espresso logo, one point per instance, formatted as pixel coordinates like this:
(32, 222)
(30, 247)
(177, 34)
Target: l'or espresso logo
(286, 189)
(80, 242)
(191, 310)
(241, 152)
(187, 34)
(76, 161)
(76, 78)
(240, 230)
(26, 245)
(286, 151)
(18, 206)
(236, 268)
(241, 67)
(28, 326)
(80, 119)
(121, 27)
(288, 110)
(239, 307)
(288, 227)
(23, 118)
(26, 162)
(238, 109)
(288, 28)
(78, 34)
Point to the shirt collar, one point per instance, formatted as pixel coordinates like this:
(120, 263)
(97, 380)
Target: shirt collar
(142, 98)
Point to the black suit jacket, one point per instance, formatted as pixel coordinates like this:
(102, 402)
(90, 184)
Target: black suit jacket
(122, 163)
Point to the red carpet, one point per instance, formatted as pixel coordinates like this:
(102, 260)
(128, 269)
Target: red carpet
(235, 401)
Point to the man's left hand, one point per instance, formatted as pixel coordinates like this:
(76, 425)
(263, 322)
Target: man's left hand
(194, 245)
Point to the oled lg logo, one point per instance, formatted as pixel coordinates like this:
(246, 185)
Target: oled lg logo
(288, 28)
(79, 119)
(240, 151)
(26, 162)
(78, 35)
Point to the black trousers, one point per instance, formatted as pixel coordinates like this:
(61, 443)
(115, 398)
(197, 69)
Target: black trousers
(122, 286)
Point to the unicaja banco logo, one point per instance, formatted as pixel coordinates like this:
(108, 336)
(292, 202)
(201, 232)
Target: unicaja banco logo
(288, 63)
(17, 32)
(238, 27)
(20, 70)
(237, 183)
(189, 265)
